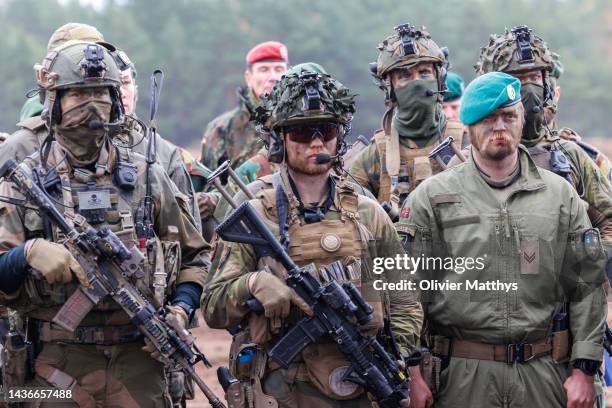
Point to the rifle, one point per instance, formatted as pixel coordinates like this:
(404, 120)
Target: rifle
(108, 264)
(335, 307)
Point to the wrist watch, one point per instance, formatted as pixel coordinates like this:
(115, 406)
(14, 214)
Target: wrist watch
(589, 367)
(187, 308)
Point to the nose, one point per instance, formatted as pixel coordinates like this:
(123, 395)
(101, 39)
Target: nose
(499, 124)
(317, 139)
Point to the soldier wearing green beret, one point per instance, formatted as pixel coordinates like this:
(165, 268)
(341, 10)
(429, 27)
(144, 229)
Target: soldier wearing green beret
(525, 56)
(452, 98)
(522, 329)
(411, 69)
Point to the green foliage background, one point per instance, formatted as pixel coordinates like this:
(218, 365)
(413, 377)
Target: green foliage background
(201, 44)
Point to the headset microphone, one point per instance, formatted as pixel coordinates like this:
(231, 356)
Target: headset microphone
(323, 158)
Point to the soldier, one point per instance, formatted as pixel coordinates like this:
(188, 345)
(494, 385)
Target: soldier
(232, 135)
(325, 221)
(525, 56)
(101, 361)
(259, 165)
(411, 70)
(604, 164)
(507, 344)
(32, 130)
(452, 98)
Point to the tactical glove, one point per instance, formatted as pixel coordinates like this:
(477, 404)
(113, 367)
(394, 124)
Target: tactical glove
(207, 202)
(53, 261)
(275, 296)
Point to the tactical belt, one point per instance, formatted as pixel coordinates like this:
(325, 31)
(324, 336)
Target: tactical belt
(100, 335)
(506, 353)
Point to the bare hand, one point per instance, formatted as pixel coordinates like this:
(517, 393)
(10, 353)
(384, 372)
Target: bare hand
(580, 390)
(420, 394)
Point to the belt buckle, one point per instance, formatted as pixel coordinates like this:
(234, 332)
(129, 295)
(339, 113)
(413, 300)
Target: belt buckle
(516, 352)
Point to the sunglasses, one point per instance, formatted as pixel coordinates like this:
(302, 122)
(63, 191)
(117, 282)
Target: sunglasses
(307, 133)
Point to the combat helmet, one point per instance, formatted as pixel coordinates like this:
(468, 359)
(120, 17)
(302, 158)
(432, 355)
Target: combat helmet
(78, 64)
(304, 94)
(516, 51)
(408, 47)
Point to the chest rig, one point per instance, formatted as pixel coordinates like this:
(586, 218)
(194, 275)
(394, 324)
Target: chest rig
(96, 195)
(405, 166)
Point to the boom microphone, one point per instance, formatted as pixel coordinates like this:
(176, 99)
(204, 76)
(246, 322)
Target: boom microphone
(323, 158)
(431, 92)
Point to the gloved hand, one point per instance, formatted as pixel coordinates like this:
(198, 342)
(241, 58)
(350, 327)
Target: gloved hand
(207, 202)
(177, 319)
(275, 296)
(53, 261)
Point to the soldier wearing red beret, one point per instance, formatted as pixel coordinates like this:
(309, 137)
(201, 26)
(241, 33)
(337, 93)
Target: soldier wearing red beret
(231, 135)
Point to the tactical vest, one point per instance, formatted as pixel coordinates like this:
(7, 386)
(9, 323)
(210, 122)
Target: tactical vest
(321, 243)
(101, 203)
(412, 163)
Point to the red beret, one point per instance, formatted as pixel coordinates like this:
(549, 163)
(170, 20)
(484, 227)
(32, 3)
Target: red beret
(267, 51)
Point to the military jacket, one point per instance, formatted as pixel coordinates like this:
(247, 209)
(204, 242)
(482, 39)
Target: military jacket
(531, 247)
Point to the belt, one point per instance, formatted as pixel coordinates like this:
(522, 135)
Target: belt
(506, 353)
(100, 335)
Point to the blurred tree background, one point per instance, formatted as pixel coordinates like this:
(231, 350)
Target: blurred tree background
(201, 45)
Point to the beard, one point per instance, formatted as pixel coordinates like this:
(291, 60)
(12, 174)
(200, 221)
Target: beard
(498, 146)
(302, 165)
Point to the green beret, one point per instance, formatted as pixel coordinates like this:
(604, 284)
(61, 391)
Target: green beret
(487, 93)
(455, 85)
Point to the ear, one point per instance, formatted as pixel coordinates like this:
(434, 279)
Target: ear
(557, 94)
(248, 76)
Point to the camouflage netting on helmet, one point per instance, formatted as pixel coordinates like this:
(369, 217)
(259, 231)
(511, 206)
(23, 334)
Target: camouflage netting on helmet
(393, 52)
(287, 103)
(503, 54)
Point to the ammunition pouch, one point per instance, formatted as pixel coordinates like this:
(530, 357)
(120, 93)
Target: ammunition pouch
(15, 364)
(430, 367)
(248, 363)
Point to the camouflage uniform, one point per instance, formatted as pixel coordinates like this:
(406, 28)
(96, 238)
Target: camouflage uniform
(231, 136)
(102, 361)
(532, 239)
(355, 221)
(256, 167)
(394, 164)
(604, 164)
(593, 187)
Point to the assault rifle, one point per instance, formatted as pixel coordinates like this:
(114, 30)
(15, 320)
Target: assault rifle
(339, 310)
(108, 264)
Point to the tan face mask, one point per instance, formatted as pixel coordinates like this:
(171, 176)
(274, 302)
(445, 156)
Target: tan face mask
(73, 133)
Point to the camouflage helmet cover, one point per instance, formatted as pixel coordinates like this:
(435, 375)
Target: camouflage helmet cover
(517, 50)
(73, 31)
(408, 47)
(78, 64)
(303, 96)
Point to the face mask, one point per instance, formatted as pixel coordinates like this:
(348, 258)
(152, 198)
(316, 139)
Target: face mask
(532, 96)
(74, 134)
(417, 114)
